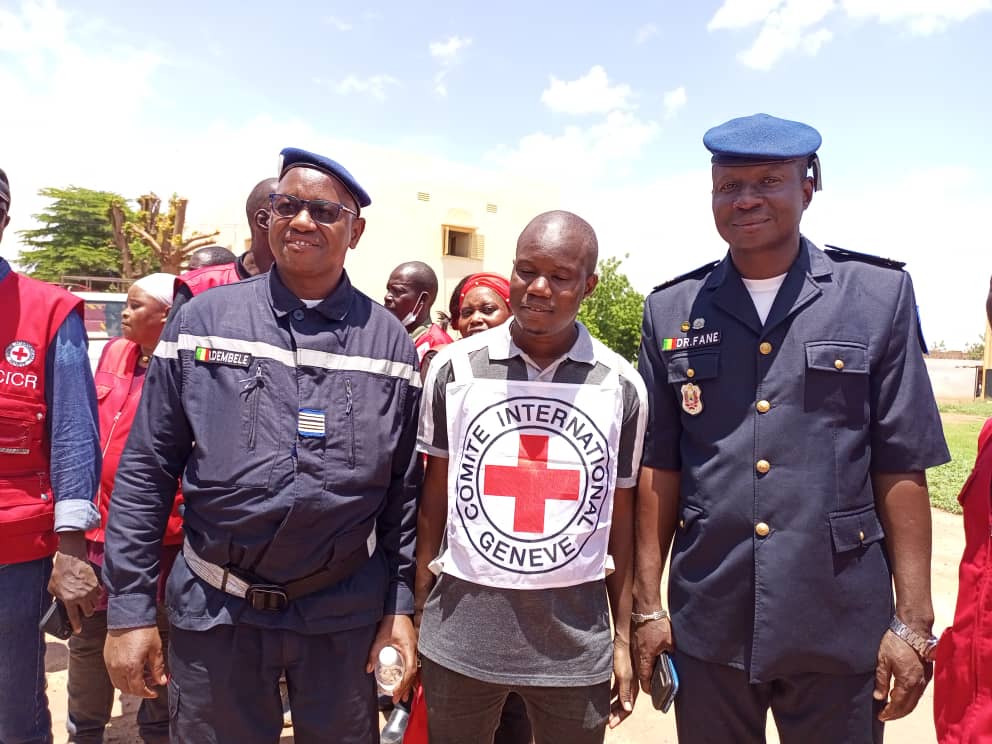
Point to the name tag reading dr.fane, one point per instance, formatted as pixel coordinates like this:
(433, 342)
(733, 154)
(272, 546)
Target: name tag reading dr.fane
(222, 356)
(697, 341)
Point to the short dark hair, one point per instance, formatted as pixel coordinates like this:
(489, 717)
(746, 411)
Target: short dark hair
(212, 255)
(4, 187)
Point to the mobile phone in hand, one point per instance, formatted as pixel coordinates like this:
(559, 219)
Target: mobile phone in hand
(55, 621)
(664, 682)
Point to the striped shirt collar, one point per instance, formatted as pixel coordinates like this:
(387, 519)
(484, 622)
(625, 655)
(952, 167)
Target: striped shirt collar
(502, 346)
(334, 307)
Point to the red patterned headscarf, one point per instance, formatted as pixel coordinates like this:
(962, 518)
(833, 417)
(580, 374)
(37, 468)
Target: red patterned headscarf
(495, 282)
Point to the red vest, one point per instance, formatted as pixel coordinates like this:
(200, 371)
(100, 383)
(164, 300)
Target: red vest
(117, 393)
(200, 280)
(962, 693)
(433, 337)
(32, 314)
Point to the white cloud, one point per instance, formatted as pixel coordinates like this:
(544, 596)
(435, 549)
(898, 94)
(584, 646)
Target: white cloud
(448, 53)
(735, 14)
(580, 155)
(590, 94)
(644, 33)
(374, 85)
(795, 25)
(338, 24)
(449, 49)
(921, 17)
(787, 26)
(675, 100)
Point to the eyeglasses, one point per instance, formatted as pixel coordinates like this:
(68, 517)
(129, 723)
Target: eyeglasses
(324, 212)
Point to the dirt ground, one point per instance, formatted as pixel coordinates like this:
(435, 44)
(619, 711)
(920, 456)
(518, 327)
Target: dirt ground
(646, 725)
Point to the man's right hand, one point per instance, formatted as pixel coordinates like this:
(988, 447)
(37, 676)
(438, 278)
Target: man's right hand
(649, 639)
(134, 660)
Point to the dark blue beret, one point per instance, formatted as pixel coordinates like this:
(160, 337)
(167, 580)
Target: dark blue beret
(760, 139)
(4, 187)
(294, 157)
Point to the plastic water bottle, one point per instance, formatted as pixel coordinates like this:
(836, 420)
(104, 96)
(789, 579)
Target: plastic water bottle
(389, 669)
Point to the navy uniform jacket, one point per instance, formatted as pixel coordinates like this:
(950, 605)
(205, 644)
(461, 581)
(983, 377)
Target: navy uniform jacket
(260, 496)
(830, 390)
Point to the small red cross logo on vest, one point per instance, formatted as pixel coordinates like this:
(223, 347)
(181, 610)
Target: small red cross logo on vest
(19, 353)
(531, 483)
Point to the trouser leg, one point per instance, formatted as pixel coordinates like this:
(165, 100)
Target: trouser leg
(716, 704)
(91, 693)
(825, 709)
(514, 726)
(460, 710)
(153, 713)
(24, 715)
(224, 685)
(576, 715)
(331, 695)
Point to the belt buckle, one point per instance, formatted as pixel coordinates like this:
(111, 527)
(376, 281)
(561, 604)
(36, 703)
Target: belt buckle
(267, 597)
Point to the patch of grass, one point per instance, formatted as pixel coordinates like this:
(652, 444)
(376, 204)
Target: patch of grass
(962, 440)
(981, 408)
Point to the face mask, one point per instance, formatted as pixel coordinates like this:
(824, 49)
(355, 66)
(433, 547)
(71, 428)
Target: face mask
(411, 316)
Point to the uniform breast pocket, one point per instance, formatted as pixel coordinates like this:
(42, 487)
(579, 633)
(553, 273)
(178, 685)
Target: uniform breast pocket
(688, 372)
(837, 380)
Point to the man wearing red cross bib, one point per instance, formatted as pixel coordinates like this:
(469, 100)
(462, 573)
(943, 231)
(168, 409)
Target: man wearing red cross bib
(533, 432)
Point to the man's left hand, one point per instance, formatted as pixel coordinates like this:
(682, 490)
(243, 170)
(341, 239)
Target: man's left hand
(624, 691)
(899, 662)
(74, 582)
(397, 631)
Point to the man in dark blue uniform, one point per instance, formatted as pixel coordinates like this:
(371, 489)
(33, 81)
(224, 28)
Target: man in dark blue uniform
(791, 422)
(288, 405)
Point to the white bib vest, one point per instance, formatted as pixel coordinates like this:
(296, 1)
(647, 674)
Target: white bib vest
(531, 474)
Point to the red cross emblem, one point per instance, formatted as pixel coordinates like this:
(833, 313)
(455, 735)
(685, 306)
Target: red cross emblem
(20, 353)
(531, 483)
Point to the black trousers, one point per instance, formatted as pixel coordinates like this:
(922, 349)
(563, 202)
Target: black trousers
(463, 710)
(224, 686)
(716, 704)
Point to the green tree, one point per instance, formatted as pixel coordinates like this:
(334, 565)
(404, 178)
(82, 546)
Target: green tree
(74, 236)
(162, 234)
(976, 349)
(613, 312)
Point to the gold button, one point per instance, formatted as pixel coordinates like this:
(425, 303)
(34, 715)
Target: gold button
(685, 326)
(690, 373)
(839, 363)
(761, 529)
(861, 536)
(763, 406)
(762, 466)
(682, 524)
(765, 348)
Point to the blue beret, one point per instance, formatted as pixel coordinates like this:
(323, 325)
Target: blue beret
(293, 157)
(4, 187)
(760, 139)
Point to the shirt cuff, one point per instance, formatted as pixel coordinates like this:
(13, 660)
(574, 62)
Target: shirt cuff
(430, 449)
(399, 600)
(73, 515)
(131, 611)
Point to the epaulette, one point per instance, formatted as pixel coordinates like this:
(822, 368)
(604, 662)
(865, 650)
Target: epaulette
(842, 254)
(694, 274)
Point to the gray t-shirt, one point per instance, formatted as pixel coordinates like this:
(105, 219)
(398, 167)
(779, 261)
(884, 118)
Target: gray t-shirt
(548, 637)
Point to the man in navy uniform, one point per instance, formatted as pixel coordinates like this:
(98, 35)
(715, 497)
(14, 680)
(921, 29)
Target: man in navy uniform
(288, 405)
(791, 422)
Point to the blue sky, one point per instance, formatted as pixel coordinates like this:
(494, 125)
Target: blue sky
(608, 101)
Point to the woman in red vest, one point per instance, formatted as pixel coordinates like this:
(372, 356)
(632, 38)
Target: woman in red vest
(119, 378)
(962, 693)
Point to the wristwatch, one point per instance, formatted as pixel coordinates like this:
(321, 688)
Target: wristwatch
(924, 647)
(639, 618)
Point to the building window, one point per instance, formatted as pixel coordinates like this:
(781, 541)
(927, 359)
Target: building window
(463, 242)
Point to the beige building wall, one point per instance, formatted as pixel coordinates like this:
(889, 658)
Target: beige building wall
(407, 222)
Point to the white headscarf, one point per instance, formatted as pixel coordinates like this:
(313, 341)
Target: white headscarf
(161, 286)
